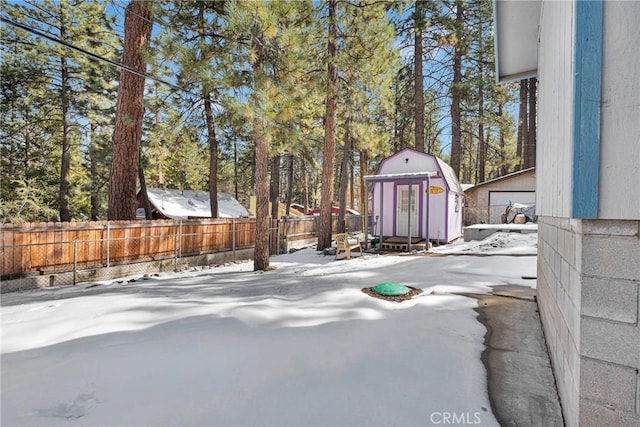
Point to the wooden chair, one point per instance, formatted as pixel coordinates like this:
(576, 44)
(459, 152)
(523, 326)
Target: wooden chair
(346, 243)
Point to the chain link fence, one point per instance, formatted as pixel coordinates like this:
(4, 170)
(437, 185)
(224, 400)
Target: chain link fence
(62, 255)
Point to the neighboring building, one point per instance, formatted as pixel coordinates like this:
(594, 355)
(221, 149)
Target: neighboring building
(184, 204)
(416, 194)
(335, 210)
(586, 57)
(485, 203)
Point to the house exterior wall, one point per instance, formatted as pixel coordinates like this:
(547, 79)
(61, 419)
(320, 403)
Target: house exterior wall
(558, 301)
(619, 193)
(477, 198)
(558, 293)
(555, 98)
(609, 330)
(588, 269)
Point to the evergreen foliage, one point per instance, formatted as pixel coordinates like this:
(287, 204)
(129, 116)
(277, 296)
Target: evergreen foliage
(248, 82)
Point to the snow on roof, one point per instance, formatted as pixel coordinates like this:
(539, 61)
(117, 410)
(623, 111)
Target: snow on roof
(183, 204)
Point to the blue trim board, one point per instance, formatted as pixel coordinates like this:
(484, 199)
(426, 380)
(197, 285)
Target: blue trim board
(586, 108)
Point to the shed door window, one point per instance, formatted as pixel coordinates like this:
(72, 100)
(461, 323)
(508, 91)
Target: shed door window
(406, 213)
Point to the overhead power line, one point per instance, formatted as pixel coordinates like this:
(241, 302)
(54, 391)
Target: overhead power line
(101, 58)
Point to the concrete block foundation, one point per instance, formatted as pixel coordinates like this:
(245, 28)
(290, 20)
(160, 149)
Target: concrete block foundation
(589, 299)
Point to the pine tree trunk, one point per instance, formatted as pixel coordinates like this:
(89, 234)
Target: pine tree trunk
(93, 171)
(503, 154)
(65, 164)
(129, 113)
(468, 158)
(213, 156)
(482, 148)
(455, 97)
(211, 130)
(352, 185)
(143, 189)
(235, 169)
(530, 147)
(261, 155)
(305, 179)
(364, 194)
(344, 174)
(419, 79)
(274, 188)
(289, 185)
(261, 253)
(27, 141)
(523, 128)
(328, 153)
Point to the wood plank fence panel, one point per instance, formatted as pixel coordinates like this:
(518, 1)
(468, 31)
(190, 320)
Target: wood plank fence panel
(36, 248)
(245, 233)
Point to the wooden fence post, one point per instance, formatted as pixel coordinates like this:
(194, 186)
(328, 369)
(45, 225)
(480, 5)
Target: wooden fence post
(75, 261)
(278, 236)
(175, 248)
(233, 237)
(180, 237)
(285, 234)
(108, 241)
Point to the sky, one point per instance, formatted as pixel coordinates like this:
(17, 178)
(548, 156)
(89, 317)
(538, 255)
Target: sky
(116, 8)
(298, 345)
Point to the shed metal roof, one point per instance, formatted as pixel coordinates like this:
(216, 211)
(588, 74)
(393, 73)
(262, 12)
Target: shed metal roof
(395, 177)
(182, 204)
(500, 178)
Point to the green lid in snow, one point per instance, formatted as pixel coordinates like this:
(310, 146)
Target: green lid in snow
(391, 289)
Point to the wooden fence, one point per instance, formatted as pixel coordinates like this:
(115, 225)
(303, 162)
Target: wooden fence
(42, 248)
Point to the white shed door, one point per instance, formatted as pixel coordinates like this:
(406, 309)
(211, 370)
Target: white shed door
(406, 213)
(499, 200)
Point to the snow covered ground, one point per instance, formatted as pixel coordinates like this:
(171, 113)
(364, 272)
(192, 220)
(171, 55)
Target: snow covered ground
(299, 345)
(498, 243)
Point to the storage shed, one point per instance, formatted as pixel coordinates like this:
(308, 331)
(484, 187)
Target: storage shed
(486, 202)
(415, 197)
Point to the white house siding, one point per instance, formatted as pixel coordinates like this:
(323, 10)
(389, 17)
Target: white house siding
(610, 249)
(559, 301)
(555, 100)
(588, 270)
(619, 195)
